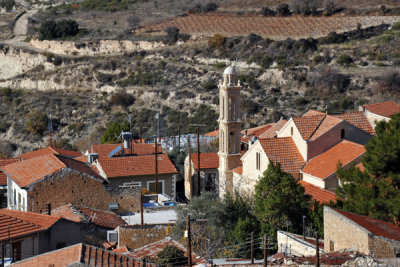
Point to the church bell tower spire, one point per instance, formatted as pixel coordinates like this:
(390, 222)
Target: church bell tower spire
(229, 129)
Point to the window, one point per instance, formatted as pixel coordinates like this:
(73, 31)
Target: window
(291, 131)
(151, 186)
(132, 184)
(222, 141)
(19, 201)
(331, 245)
(342, 134)
(232, 108)
(232, 148)
(258, 160)
(210, 182)
(223, 108)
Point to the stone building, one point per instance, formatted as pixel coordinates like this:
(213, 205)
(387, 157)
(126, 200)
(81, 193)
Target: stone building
(137, 236)
(346, 230)
(380, 111)
(297, 245)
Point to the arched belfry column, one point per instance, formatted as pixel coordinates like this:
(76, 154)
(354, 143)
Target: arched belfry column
(229, 130)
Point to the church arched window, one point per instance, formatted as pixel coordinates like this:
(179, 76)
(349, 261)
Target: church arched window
(232, 143)
(222, 141)
(223, 108)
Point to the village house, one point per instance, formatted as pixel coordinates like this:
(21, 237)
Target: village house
(346, 230)
(379, 111)
(50, 150)
(297, 245)
(49, 181)
(27, 234)
(3, 181)
(82, 255)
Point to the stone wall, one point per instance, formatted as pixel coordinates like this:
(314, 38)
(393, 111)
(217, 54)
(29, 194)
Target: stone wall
(102, 47)
(381, 247)
(293, 245)
(69, 186)
(134, 237)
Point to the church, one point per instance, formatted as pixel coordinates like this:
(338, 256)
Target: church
(308, 147)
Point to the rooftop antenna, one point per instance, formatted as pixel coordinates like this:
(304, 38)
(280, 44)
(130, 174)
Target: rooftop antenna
(51, 131)
(130, 123)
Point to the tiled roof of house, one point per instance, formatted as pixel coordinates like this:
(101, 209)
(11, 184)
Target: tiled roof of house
(15, 223)
(81, 253)
(207, 160)
(326, 124)
(135, 166)
(385, 109)
(308, 125)
(317, 193)
(151, 250)
(214, 133)
(358, 119)
(3, 162)
(138, 149)
(271, 132)
(284, 151)
(79, 213)
(238, 170)
(360, 166)
(325, 163)
(313, 112)
(123, 249)
(32, 170)
(256, 131)
(377, 227)
(50, 150)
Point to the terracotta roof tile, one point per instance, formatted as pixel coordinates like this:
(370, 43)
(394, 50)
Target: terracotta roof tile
(151, 250)
(123, 249)
(15, 223)
(3, 162)
(207, 160)
(82, 158)
(318, 194)
(360, 166)
(256, 131)
(313, 112)
(50, 150)
(385, 109)
(103, 218)
(358, 119)
(135, 166)
(377, 227)
(284, 151)
(238, 170)
(325, 163)
(213, 133)
(139, 149)
(326, 124)
(69, 213)
(84, 254)
(271, 132)
(308, 125)
(32, 170)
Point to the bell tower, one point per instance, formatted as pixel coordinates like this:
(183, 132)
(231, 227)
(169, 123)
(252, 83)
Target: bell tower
(229, 130)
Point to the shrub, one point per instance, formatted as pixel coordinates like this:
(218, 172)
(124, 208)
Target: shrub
(122, 99)
(283, 10)
(327, 80)
(266, 62)
(57, 61)
(51, 29)
(210, 85)
(220, 65)
(390, 82)
(330, 8)
(216, 41)
(396, 26)
(266, 11)
(172, 34)
(345, 60)
(305, 7)
(4, 125)
(36, 122)
(76, 126)
(209, 7)
(171, 256)
(333, 38)
(113, 131)
(8, 5)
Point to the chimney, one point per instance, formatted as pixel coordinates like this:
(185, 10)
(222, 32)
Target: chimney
(92, 157)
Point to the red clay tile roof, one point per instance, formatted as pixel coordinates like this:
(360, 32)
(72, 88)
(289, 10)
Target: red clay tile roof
(360, 166)
(318, 194)
(256, 131)
(50, 150)
(213, 133)
(3, 162)
(308, 125)
(68, 212)
(151, 250)
(358, 119)
(325, 164)
(15, 223)
(238, 170)
(377, 227)
(207, 160)
(313, 112)
(135, 166)
(32, 170)
(123, 249)
(284, 151)
(386, 109)
(271, 132)
(326, 124)
(82, 158)
(81, 253)
(138, 149)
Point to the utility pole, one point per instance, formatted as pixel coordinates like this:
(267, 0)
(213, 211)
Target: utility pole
(189, 241)
(317, 246)
(265, 251)
(141, 208)
(156, 171)
(252, 248)
(179, 139)
(3, 251)
(198, 157)
(304, 230)
(140, 133)
(190, 170)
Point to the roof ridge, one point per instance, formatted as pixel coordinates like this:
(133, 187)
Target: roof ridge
(319, 124)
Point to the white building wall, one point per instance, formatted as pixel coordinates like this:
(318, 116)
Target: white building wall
(17, 197)
(374, 118)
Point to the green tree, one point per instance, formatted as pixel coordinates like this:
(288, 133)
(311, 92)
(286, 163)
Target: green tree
(51, 29)
(113, 131)
(374, 192)
(279, 200)
(171, 256)
(36, 122)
